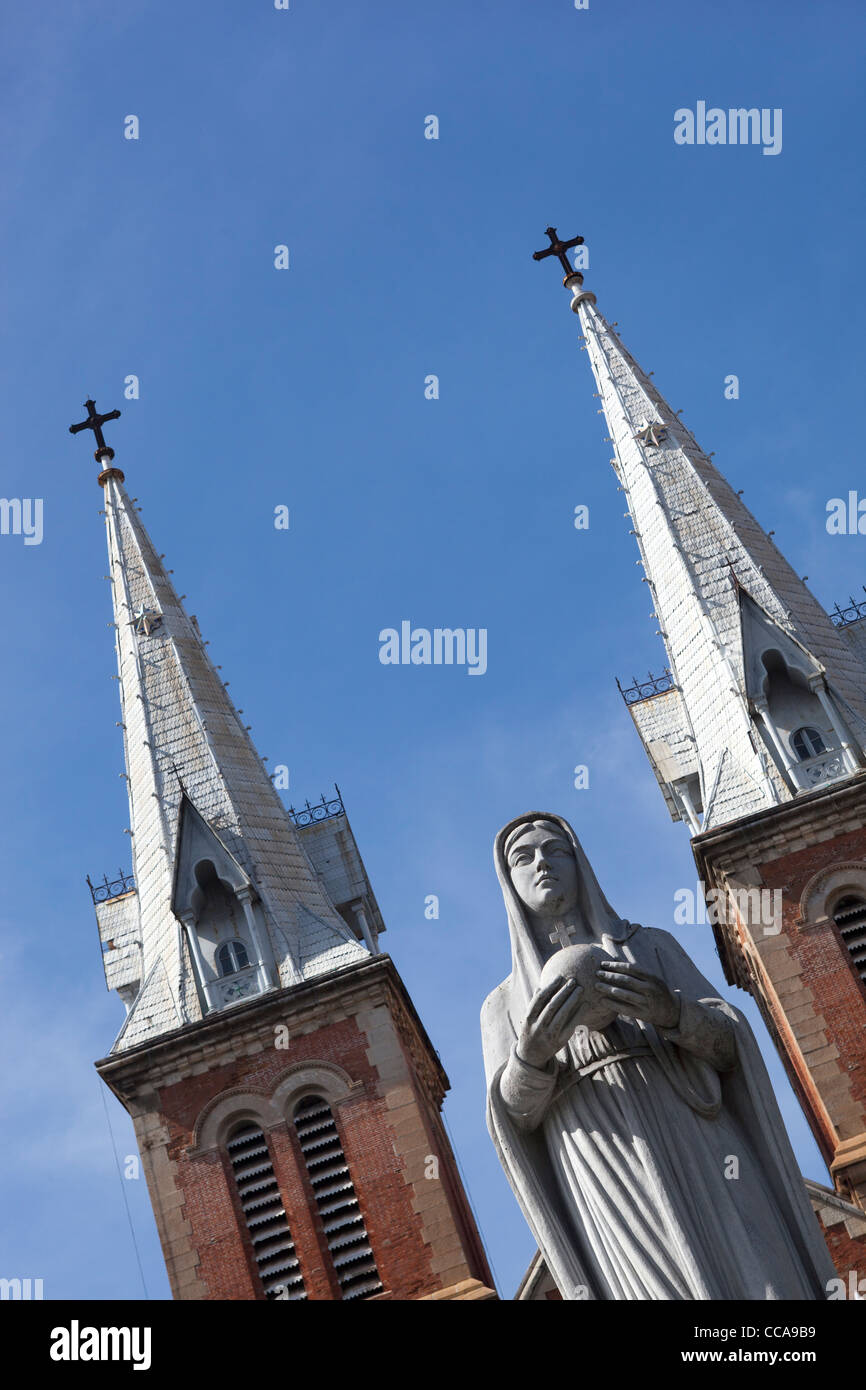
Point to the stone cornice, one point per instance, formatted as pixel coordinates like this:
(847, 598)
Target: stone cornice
(152, 1061)
(787, 817)
(761, 836)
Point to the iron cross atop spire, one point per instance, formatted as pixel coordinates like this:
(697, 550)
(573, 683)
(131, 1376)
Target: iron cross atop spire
(558, 249)
(94, 422)
(104, 453)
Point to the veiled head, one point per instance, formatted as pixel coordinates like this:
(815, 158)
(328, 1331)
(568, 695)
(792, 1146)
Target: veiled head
(542, 868)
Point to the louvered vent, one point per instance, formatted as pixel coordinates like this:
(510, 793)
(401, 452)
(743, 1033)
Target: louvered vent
(265, 1215)
(337, 1203)
(850, 918)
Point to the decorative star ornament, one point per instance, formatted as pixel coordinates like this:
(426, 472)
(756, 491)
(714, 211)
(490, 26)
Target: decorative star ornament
(145, 620)
(652, 435)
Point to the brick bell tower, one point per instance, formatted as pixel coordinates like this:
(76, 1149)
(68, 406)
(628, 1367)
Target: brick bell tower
(285, 1096)
(757, 737)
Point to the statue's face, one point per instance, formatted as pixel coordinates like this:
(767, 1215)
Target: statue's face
(544, 871)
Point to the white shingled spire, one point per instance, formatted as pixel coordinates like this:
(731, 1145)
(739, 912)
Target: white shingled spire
(228, 884)
(754, 659)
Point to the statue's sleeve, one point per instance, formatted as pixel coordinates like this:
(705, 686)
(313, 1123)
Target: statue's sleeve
(705, 1031)
(526, 1091)
(706, 1024)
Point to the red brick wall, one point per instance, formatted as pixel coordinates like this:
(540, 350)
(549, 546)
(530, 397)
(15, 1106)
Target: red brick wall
(210, 1198)
(846, 1252)
(212, 1208)
(839, 997)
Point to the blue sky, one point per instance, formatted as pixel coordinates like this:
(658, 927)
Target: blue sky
(306, 388)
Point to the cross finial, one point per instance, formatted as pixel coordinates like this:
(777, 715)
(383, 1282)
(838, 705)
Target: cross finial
(558, 249)
(94, 422)
(562, 934)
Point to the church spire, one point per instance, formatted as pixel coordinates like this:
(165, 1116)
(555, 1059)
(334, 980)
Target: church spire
(227, 903)
(766, 699)
(284, 1093)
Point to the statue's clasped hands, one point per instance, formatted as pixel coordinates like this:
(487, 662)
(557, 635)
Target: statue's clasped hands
(637, 994)
(553, 1013)
(550, 1021)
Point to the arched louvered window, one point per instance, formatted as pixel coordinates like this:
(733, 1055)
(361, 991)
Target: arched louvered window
(849, 915)
(807, 743)
(348, 1243)
(231, 957)
(264, 1214)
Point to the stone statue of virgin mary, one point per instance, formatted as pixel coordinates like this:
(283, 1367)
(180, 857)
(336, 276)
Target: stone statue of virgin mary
(629, 1105)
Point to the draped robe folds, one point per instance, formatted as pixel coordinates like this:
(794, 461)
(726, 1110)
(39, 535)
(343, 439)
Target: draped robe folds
(666, 1174)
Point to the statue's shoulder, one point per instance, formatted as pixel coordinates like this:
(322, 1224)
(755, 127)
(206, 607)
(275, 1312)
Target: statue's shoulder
(497, 1029)
(671, 956)
(496, 1001)
(656, 938)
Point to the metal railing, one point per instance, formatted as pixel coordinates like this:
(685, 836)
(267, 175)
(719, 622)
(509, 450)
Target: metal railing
(841, 617)
(642, 690)
(111, 888)
(322, 810)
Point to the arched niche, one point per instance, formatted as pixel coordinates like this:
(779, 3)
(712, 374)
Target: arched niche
(324, 1079)
(217, 903)
(230, 1108)
(225, 1112)
(201, 860)
(793, 706)
(218, 917)
(826, 889)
